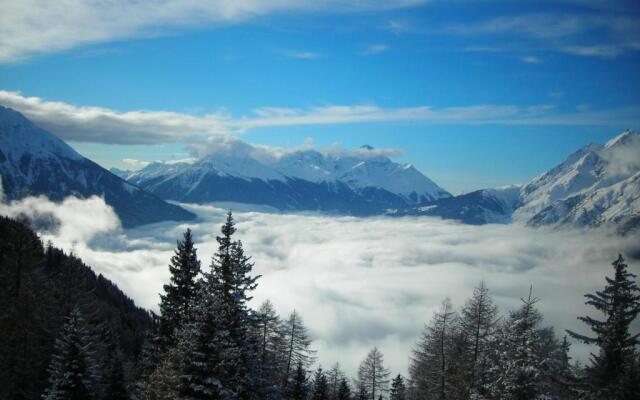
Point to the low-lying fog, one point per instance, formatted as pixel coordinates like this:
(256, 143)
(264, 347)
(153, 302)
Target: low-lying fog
(358, 282)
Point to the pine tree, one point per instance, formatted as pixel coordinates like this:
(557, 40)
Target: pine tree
(223, 357)
(299, 386)
(430, 362)
(344, 390)
(620, 304)
(373, 374)
(320, 386)
(398, 389)
(334, 377)
(177, 302)
(478, 322)
(520, 355)
(73, 373)
(298, 349)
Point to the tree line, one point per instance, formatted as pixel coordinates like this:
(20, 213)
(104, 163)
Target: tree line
(208, 343)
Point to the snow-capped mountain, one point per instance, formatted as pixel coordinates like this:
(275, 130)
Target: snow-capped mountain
(596, 185)
(35, 162)
(485, 206)
(359, 182)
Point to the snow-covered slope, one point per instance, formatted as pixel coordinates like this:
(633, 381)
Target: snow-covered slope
(355, 183)
(485, 206)
(35, 162)
(595, 186)
(361, 171)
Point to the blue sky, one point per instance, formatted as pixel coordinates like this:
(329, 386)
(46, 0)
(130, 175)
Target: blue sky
(475, 94)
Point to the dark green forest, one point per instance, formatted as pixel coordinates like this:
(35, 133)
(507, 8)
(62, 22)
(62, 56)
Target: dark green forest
(68, 333)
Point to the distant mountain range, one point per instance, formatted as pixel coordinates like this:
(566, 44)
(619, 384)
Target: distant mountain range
(35, 162)
(598, 185)
(360, 182)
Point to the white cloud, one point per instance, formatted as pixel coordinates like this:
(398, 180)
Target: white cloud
(301, 54)
(103, 125)
(133, 164)
(531, 60)
(30, 27)
(603, 35)
(375, 49)
(365, 282)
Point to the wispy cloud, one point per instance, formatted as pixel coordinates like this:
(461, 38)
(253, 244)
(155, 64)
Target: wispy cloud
(604, 35)
(103, 125)
(374, 49)
(531, 60)
(301, 54)
(30, 27)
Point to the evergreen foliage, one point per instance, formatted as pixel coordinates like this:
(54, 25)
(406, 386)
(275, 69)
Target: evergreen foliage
(177, 302)
(615, 363)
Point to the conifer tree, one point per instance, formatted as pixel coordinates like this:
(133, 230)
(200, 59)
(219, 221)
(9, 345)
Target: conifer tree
(344, 390)
(519, 358)
(478, 322)
(398, 389)
(334, 377)
(73, 372)
(430, 362)
(223, 357)
(620, 304)
(373, 374)
(298, 344)
(177, 302)
(299, 386)
(320, 386)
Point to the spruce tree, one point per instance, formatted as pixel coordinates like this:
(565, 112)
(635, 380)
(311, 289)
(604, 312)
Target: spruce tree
(298, 388)
(478, 322)
(73, 373)
(223, 357)
(373, 374)
(430, 364)
(344, 390)
(334, 377)
(177, 302)
(298, 350)
(619, 301)
(398, 389)
(320, 386)
(519, 359)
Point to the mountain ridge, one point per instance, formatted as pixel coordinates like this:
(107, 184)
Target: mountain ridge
(35, 162)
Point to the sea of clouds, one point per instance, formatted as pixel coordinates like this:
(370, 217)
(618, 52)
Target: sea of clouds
(358, 282)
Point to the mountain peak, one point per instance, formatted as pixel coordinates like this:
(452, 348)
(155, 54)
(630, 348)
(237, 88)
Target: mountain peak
(622, 139)
(366, 147)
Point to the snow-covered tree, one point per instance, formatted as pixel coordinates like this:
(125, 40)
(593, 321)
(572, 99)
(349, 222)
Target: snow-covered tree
(177, 302)
(73, 372)
(334, 377)
(398, 389)
(373, 374)
(519, 359)
(619, 301)
(478, 321)
(320, 386)
(298, 350)
(223, 359)
(430, 363)
(344, 390)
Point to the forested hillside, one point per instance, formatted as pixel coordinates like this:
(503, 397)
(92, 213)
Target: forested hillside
(69, 334)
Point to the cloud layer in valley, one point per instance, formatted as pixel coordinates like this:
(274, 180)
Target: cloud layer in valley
(102, 125)
(357, 282)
